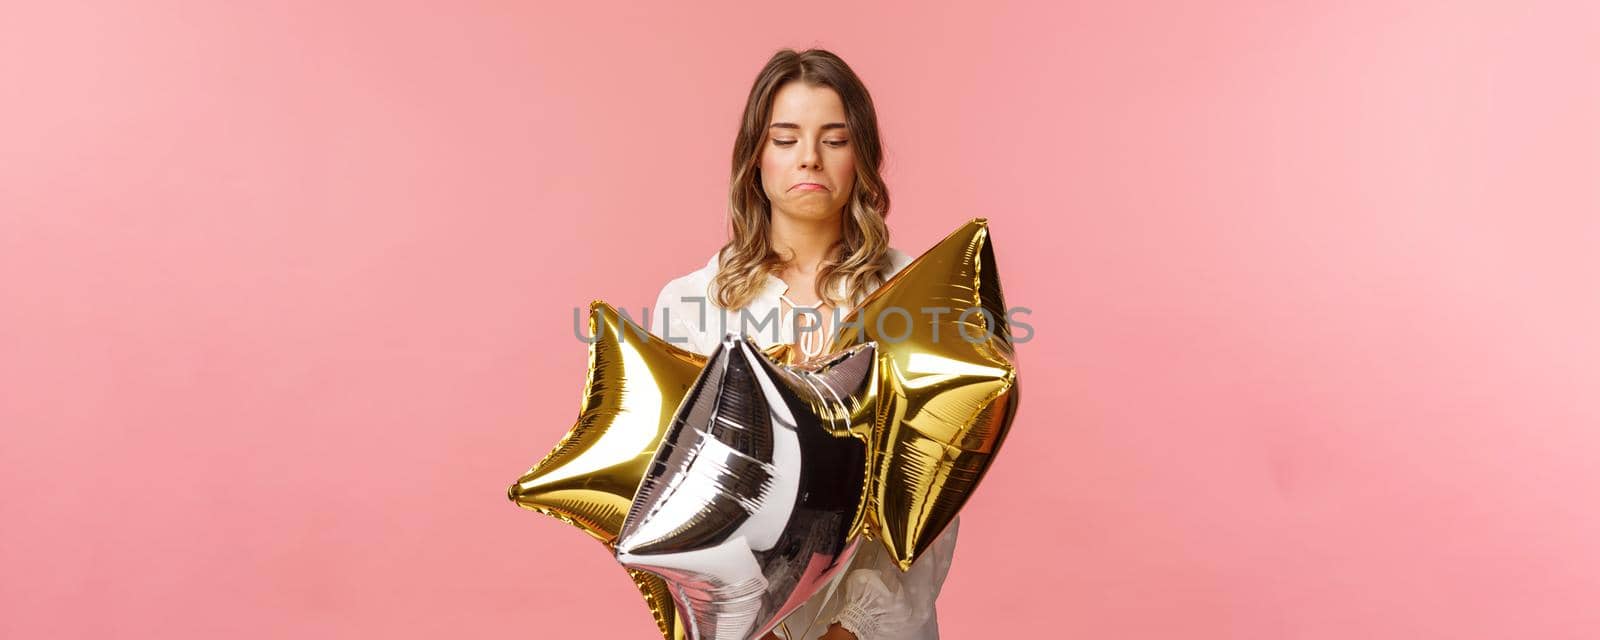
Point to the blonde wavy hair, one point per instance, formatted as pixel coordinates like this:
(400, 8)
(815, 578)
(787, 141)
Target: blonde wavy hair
(861, 254)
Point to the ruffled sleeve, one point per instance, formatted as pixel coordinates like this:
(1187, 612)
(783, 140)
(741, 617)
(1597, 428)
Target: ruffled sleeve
(882, 603)
(671, 318)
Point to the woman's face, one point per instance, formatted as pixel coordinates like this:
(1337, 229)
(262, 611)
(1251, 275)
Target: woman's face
(807, 165)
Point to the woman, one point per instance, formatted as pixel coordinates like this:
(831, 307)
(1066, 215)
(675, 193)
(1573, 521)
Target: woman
(806, 206)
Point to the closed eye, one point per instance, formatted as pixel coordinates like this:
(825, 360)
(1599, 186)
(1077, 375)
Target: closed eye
(831, 143)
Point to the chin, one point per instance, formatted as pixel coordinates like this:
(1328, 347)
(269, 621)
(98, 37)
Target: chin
(809, 211)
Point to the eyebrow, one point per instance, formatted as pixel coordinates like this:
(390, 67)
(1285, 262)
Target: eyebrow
(791, 125)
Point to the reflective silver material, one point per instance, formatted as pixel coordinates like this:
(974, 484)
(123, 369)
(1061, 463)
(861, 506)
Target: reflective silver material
(749, 505)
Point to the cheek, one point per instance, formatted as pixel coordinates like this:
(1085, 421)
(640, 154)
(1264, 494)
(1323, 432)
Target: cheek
(771, 163)
(843, 174)
(767, 168)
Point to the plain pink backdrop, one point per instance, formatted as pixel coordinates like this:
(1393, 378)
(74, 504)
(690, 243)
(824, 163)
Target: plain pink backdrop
(286, 295)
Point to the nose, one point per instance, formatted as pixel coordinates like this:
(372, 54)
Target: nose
(811, 158)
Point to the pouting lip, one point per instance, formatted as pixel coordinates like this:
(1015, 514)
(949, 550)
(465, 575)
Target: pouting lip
(797, 185)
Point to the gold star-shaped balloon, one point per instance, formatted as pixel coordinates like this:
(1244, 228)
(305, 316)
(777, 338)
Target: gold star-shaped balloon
(634, 385)
(946, 394)
(947, 388)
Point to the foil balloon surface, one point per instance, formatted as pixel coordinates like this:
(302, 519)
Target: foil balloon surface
(633, 386)
(734, 488)
(947, 387)
(751, 504)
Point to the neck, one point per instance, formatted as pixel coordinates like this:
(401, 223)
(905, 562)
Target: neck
(804, 241)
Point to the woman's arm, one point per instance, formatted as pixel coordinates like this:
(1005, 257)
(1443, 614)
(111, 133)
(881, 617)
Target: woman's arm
(882, 603)
(835, 632)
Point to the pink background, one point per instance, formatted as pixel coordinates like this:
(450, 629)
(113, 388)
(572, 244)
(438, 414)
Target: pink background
(286, 294)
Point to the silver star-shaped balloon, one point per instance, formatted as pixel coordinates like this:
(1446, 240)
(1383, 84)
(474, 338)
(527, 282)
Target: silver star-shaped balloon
(752, 501)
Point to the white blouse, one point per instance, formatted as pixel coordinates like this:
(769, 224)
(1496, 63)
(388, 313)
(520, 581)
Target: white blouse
(872, 598)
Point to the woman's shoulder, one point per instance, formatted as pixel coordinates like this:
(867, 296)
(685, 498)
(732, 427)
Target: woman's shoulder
(691, 284)
(698, 282)
(897, 260)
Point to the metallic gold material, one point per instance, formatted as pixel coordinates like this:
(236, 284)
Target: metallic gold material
(933, 413)
(947, 387)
